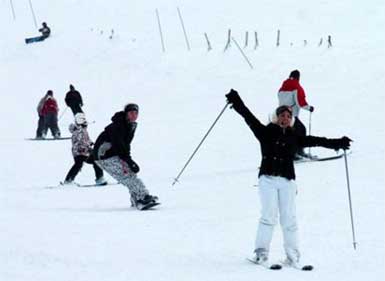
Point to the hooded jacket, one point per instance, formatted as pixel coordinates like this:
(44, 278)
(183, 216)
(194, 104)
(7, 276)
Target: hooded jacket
(73, 98)
(116, 138)
(81, 142)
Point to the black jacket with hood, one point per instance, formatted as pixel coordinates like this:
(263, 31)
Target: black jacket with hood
(116, 138)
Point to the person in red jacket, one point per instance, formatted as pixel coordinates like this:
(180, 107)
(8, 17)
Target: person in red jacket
(40, 132)
(293, 95)
(50, 111)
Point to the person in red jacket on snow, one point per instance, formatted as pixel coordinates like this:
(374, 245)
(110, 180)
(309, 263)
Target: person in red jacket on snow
(50, 111)
(293, 95)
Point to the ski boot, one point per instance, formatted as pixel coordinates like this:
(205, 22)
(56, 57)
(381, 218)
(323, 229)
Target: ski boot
(101, 181)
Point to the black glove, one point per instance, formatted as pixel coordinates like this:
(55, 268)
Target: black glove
(311, 108)
(345, 143)
(342, 143)
(234, 99)
(133, 166)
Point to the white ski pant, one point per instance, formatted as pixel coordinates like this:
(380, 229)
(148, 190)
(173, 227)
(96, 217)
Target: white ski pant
(277, 195)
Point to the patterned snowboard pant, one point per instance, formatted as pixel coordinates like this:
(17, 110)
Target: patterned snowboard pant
(119, 170)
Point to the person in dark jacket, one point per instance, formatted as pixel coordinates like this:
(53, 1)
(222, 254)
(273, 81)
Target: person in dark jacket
(45, 30)
(74, 100)
(277, 189)
(112, 152)
(50, 111)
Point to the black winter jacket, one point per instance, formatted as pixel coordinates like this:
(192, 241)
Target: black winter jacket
(46, 31)
(279, 146)
(73, 98)
(118, 135)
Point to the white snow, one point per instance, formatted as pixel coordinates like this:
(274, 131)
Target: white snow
(206, 224)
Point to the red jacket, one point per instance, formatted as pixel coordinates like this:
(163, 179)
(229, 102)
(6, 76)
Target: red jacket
(292, 94)
(50, 106)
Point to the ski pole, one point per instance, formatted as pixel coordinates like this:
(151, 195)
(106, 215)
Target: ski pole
(61, 115)
(13, 10)
(196, 150)
(350, 200)
(310, 129)
(33, 13)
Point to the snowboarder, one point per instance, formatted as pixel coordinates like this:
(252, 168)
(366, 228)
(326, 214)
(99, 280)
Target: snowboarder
(74, 100)
(277, 188)
(81, 151)
(112, 153)
(50, 111)
(41, 131)
(45, 31)
(292, 94)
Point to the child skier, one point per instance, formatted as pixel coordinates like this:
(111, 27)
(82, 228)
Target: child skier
(277, 189)
(112, 153)
(81, 151)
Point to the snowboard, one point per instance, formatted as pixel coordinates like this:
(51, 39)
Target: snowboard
(48, 139)
(34, 39)
(148, 206)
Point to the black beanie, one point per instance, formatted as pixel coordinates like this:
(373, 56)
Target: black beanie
(131, 107)
(282, 109)
(295, 74)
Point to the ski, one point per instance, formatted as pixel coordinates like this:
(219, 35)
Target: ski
(319, 159)
(97, 185)
(274, 266)
(48, 139)
(77, 185)
(307, 267)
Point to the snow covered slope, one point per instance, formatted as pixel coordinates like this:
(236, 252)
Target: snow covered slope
(206, 225)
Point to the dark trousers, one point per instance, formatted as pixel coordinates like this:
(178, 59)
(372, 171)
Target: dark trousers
(50, 122)
(79, 160)
(41, 130)
(76, 109)
(301, 131)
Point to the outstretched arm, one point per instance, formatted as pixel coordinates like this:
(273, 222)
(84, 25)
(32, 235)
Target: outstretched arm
(341, 143)
(255, 125)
